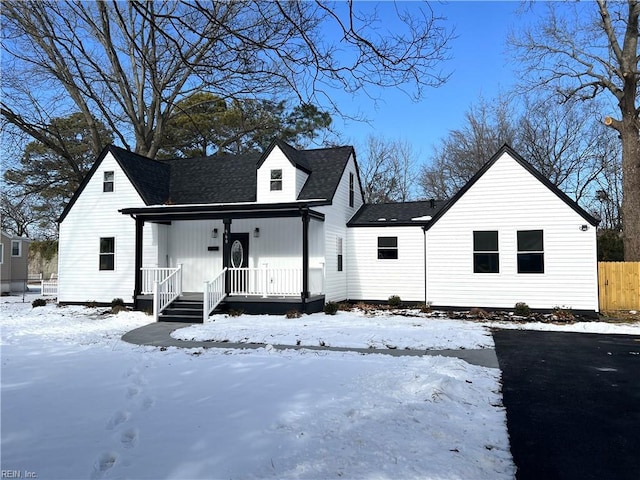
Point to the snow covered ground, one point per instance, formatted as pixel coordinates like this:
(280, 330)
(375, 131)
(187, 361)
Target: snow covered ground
(77, 402)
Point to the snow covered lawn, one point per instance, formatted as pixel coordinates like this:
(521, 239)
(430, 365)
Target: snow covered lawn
(77, 402)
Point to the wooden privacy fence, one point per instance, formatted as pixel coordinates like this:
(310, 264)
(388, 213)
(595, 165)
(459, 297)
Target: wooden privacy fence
(619, 285)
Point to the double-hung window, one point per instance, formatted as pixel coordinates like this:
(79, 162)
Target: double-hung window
(486, 258)
(530, 251)
(276, 180)
(339, 252)
(387, 248)
(107, 183)
(16, 248)
(107, 253)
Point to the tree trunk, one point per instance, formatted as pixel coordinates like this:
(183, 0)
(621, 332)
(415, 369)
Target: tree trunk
(631, 189)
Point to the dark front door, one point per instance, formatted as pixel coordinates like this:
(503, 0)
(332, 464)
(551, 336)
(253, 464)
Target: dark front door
(239, 258)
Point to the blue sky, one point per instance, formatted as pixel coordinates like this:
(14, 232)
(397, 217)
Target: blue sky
(480, 67)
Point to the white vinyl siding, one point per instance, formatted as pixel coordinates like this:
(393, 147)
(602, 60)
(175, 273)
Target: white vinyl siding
(506, 199)
(374, 278)
(95, 215)
(336, 217)
(292, 179)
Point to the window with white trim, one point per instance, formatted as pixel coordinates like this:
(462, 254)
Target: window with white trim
(351, 189)
(486, 258)
(107, 253)
(387, 248)
(1, 253)
(339, 252)
(107, 183)
(276, 180)
(530, 251)
(16, 248)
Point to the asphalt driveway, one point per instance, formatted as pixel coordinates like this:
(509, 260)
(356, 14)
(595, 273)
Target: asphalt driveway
(573, 403)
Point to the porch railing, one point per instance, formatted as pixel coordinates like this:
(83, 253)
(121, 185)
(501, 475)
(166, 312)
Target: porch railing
(151, 275)
(213, 294)
(265, 281)
(166, 291)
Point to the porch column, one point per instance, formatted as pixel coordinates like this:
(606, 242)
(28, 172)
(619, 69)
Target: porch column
(226, 253)
(305, 257)
(137, 288)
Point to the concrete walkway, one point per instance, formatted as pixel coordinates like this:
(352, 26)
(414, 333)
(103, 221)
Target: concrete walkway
(158, 334)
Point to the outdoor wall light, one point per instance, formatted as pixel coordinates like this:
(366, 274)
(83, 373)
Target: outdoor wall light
(214, 233)
(584, 228)
(256, 232)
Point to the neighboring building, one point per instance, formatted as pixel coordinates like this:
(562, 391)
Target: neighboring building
(14, 262)
(288, 229)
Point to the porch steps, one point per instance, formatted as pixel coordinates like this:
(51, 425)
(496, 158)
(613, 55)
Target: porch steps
(184, 311)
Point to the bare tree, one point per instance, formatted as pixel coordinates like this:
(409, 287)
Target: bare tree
(562, 141)
(388, 170)
(585, 51)
(463, 151)
(127, 64)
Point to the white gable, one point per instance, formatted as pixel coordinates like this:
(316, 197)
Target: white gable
(293, 179)
(508, 199)
(95, 215)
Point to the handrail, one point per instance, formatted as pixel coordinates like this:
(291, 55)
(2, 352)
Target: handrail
(150, 275)
(265, 281)
(166, 291)
(214, 293)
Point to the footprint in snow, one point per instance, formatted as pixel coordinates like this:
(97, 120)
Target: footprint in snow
(133, 391)
(129, 438)
(147, 403)
(105, 462)
(119, 417)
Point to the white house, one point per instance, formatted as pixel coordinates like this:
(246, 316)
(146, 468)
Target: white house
(288, 229)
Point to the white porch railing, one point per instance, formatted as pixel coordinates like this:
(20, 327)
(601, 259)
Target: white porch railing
(265, 281)
(151, 275)
(49, 288)
(213, 294)
(166, 291)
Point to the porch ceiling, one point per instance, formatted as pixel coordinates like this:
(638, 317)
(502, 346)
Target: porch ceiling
(167, 213)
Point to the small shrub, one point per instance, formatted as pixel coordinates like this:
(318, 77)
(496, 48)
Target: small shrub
(117, 302)
(92, 304)
(235, 313)
(521, 309)
(293, 314)
(116, 309)
(563, 314)
(425, 307)
(148, 311)
(394, 301)
(330, 308)
(39, 302)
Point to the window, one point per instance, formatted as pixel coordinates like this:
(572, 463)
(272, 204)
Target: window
(339, 252)
(387, 248)
(1, 253)
(530, 251)
(276, 180)
(107, 253)
(107, 184)
(16, 248)
(351, 189)
(485, 252)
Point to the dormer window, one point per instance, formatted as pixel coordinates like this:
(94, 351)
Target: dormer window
(276, 180)
(107, 184)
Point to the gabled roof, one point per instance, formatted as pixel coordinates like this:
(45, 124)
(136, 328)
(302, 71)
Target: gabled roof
(527, 166)
(294, 156)
(149, 177)
(220, 178)
(398, 214)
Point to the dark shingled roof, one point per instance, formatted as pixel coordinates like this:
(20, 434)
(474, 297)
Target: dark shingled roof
(215, 179)
(385, 214)
(149, 177)
(327, 166)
